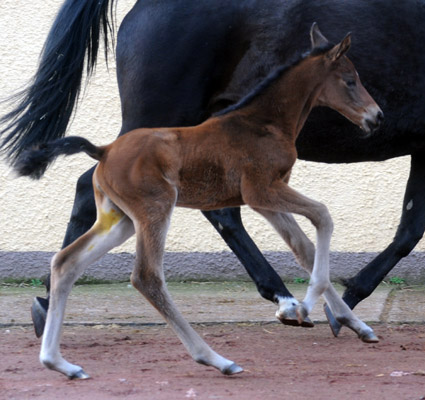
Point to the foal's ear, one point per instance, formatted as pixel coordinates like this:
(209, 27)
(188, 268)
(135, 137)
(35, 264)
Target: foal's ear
(340, 49)
(317, 38)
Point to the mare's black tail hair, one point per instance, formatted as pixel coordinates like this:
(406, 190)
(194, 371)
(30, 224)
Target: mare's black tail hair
(34, 162)
(44, 108)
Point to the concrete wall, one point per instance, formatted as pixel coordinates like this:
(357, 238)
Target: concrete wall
(364, 199)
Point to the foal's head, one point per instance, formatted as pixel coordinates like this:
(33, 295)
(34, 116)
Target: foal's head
(342, 89)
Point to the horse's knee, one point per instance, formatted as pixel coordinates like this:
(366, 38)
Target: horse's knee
(323, 219)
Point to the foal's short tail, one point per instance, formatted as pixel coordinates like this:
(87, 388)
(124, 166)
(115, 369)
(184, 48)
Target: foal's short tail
(34, 162)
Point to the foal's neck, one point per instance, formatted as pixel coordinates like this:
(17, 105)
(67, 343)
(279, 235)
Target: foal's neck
(289, 100)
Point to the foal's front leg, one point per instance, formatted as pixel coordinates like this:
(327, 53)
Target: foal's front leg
(112, 229)
(280, 198)
(303, 249)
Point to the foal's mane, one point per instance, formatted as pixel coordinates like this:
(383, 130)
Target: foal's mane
(271, 77)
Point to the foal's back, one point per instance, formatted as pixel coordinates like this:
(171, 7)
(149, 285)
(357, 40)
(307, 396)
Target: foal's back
(204, 163)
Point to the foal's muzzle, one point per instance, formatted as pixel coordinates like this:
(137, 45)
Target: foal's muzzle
(373, 121)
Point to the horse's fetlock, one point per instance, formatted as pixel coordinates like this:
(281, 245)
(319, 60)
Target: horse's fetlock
(200, 360)
(47, 361)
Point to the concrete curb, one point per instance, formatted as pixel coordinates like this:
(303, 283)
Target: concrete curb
(218, 266)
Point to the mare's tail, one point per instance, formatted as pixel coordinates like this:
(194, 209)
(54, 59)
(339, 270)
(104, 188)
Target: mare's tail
(34, 162)
(44, 108)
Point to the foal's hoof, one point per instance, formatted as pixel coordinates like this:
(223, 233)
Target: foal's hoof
(232, 369)
(79, 375)
(368, 337)
(333, 323)
(302, 314)
(290, 317)
(38, 315)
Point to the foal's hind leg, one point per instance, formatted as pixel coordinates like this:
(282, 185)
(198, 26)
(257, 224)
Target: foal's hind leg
(303, 249)
(83, 216)
(111, 229)
(148, 279)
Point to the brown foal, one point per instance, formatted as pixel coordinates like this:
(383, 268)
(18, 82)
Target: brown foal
(244, 155)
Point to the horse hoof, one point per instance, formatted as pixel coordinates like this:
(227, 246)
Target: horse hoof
(307, 323)
(291, 318)
(38, 315)
(368, 337)
(302, 313)
(333, 323)
(232, 369)
(80, 375)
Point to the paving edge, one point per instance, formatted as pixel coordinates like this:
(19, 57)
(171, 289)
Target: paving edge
(218, 266)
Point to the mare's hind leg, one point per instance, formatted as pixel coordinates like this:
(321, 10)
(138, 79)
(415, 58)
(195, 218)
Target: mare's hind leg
(111, 229)
(229, 225)
(148, 279)
(303, 250)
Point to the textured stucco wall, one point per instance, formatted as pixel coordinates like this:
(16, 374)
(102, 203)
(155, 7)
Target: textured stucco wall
(364, 199)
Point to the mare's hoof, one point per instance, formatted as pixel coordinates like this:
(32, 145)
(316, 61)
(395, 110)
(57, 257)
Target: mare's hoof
(232, 369)
(291, 318)
(38, 315)
(368, 337)
(80, 375)
(333, 323)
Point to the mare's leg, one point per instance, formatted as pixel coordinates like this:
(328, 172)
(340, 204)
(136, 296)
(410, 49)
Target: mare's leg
(111, 229)
(83, 216)
(409, 232)
(151, 221)
(229, 225)
(303, 250)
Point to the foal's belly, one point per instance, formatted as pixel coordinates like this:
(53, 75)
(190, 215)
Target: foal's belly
(208, 188)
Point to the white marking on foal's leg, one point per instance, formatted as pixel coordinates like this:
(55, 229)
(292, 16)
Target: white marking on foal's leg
(286, 305)
(67, 266)
(345, 316)
(288, 312)
(319, 280)
(50, 355)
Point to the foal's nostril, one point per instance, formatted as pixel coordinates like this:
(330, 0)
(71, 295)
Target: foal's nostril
(374, 124)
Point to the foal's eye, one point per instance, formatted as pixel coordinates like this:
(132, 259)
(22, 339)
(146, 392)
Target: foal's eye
(350, 83)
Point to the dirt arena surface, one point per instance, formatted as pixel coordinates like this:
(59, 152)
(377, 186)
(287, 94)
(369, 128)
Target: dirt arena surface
(148, 362)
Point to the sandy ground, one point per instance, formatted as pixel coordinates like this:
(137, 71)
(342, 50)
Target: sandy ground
(149, 362)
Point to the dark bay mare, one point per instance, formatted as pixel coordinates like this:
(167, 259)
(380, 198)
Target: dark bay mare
(179, 61)
(241, 156)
